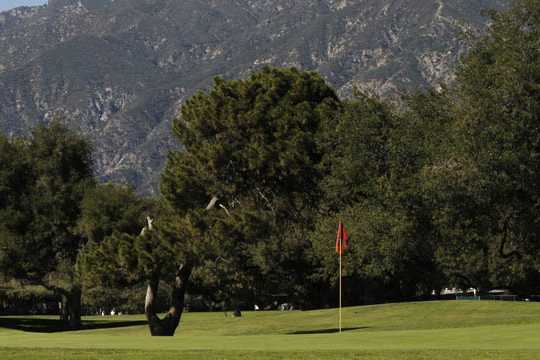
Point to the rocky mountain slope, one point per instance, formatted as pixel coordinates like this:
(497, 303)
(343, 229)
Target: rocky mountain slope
(118, 70)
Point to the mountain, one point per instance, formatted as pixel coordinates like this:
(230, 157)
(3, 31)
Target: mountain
(118, 70)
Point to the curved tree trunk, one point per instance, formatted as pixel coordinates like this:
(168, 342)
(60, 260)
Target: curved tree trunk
(71, 308)
(166, 326)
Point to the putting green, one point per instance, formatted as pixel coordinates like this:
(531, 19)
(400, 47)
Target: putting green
(431, 330)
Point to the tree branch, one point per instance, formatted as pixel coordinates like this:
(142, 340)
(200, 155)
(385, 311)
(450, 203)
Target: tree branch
(212, 203)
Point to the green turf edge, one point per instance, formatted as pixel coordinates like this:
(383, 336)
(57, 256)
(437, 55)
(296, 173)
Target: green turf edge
(87, 354)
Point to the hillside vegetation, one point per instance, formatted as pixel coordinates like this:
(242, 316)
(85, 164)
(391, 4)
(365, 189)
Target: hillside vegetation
(117, 71)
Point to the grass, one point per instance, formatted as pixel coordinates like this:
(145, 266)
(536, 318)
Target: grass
(432, 330)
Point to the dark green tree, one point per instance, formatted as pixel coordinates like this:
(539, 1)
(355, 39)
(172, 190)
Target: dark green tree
(256, 137)
(376, 165)
(486, 183)
(238, 195)
(163, 251)
(254, 149)
(45, 179)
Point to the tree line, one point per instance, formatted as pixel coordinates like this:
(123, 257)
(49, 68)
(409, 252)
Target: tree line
(441, 191)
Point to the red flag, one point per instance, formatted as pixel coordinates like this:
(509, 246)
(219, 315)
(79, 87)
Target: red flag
(342, 240)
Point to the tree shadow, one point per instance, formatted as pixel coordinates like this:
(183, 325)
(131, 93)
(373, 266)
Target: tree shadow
(37, 325)
(326, 331)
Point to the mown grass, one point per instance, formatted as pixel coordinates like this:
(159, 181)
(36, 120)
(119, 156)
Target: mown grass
(24, 354)
(433, 330)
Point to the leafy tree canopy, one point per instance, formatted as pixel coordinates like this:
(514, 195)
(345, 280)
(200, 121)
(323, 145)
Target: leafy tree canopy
(44, 179)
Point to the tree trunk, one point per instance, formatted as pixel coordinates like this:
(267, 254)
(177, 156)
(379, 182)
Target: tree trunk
(166, 326)
(71, 308)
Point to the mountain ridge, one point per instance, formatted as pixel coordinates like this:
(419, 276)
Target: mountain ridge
(118, 70)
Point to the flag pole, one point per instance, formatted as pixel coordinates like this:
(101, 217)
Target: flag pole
(342, 242)
(340, 255)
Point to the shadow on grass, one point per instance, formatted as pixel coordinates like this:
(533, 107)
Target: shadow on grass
(326, 331)
(38, 325)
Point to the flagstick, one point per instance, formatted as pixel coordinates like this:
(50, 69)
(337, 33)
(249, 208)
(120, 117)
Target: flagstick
(340, 254)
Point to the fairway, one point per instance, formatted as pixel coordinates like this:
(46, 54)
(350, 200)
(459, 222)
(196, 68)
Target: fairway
(433, 330)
